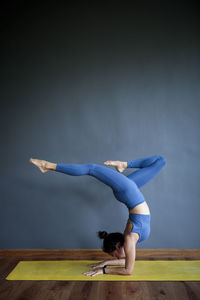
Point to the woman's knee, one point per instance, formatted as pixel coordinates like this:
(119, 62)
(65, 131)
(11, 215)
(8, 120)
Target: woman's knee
(162, 160)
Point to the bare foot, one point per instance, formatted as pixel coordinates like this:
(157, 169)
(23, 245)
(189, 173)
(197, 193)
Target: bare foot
(41, 164)
(120, 166)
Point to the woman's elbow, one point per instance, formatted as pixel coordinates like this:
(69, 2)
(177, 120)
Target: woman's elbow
(129, 271)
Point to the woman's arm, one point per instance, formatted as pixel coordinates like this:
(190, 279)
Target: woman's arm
(115, 262)
(108, 262)
(130, 252)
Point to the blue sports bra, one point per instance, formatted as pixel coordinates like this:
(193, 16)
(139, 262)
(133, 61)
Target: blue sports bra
(140, 225)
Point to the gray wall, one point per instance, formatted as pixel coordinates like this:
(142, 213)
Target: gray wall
(89, 83)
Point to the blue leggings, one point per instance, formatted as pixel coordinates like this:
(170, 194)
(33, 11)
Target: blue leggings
(125, 188)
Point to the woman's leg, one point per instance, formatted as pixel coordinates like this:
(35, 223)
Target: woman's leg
(112, 178)
(124, 189)
(150, 167)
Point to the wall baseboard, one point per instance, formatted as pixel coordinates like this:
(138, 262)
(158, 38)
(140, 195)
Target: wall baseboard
(141, 254)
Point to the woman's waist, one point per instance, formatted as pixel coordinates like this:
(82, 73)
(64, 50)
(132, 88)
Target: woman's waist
(139, 219)
(141, 208)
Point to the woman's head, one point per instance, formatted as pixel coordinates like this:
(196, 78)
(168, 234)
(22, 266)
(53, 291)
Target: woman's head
(113, 243)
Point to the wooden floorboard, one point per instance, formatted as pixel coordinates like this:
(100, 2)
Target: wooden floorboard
(97, 290)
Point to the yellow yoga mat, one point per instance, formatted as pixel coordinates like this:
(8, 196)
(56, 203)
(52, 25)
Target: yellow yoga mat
(158, 270)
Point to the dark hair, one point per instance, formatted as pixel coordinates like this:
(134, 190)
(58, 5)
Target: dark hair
(110, 240)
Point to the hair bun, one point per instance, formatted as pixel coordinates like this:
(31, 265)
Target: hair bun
(102, 234)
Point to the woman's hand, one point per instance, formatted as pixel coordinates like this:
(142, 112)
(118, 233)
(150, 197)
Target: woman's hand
(120, 166)
(97, 265)
(92, 273)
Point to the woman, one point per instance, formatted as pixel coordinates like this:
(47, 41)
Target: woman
(126, 190)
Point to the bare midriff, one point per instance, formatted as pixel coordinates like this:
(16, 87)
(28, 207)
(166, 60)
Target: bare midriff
(141, 208)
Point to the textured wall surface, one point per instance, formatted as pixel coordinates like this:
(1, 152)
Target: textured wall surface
(89, 83)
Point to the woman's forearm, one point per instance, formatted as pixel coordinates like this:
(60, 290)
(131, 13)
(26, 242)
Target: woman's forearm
(115, 262)
(117, 271)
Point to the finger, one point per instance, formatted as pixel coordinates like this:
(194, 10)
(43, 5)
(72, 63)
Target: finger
(97, 267)
(86, 273)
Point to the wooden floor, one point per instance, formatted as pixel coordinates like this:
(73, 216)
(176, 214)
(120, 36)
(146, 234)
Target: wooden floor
(63, 290)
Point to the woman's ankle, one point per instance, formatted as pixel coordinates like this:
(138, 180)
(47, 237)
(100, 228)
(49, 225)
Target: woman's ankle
(50, 166)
